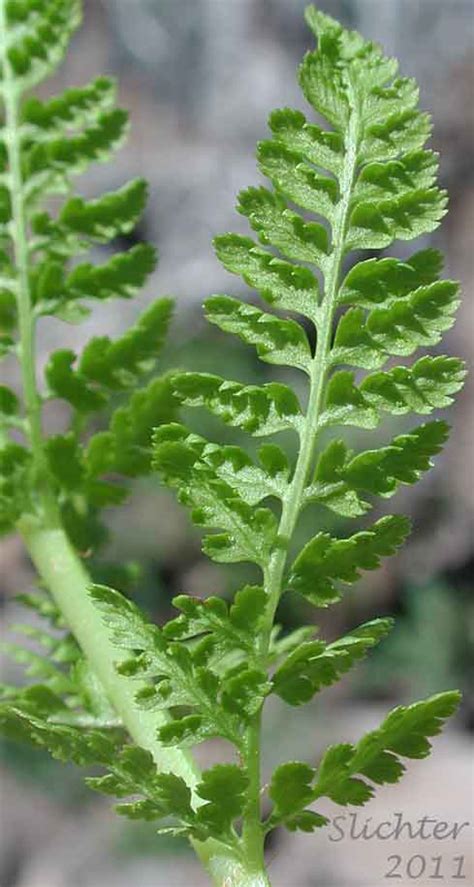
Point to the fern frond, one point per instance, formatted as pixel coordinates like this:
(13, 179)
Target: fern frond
(372, 181)
(277, 341)
(362, 183)
(44, 145)
(29, 720)
(359, 184)
(109, 365)
(286, 286)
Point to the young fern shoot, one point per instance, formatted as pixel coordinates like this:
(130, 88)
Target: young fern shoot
(117, 690)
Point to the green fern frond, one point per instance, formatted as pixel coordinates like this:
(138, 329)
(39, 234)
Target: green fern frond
(372, 181)
(45, 144)
(359, 185)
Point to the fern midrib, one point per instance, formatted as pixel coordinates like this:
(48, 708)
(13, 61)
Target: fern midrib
(273, 575)
(320, 366)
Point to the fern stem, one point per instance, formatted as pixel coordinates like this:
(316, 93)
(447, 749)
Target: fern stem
(252, 833)
(68, 582)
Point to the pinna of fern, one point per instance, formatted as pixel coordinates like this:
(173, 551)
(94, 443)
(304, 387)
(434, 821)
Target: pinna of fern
(368, 180)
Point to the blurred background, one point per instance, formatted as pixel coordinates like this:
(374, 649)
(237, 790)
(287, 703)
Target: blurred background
(200, 77)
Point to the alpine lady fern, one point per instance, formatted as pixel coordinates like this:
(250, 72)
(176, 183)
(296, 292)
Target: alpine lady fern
(119, 691)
